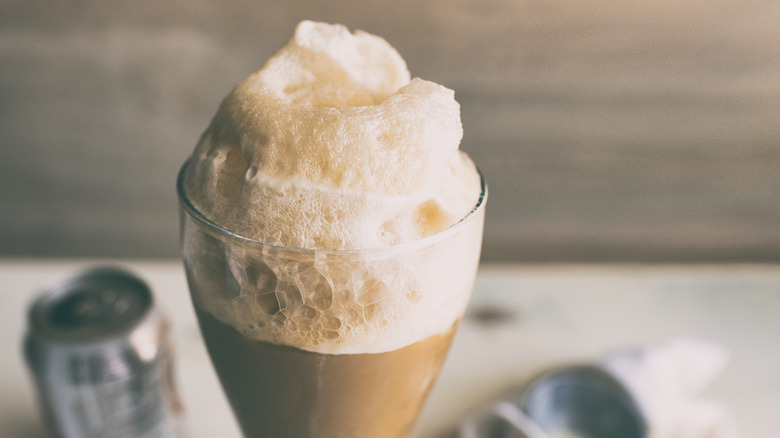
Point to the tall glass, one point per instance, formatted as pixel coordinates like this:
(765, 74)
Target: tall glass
(377, 325)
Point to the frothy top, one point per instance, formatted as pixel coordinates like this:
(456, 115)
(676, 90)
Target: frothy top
(332, 146)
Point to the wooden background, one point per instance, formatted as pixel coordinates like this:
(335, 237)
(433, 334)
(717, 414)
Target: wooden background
(608, 130)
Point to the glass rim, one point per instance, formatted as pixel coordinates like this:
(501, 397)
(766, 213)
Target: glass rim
(204, 221)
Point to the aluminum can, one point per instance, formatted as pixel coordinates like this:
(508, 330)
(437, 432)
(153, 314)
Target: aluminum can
(101, 358)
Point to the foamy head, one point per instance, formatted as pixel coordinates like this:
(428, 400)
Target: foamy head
(332, 146)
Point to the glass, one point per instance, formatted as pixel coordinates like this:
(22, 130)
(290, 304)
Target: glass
(326, 343)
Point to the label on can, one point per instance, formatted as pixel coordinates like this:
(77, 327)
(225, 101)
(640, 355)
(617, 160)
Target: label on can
(130, 408)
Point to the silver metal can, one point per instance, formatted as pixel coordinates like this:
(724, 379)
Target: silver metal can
(101, 358)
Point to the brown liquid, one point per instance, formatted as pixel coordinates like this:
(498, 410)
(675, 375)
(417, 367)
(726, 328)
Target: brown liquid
(284, 392)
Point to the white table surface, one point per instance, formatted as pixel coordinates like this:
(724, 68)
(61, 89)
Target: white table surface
(546, 316)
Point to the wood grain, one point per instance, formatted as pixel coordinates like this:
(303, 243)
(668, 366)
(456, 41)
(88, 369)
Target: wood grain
(624, 131)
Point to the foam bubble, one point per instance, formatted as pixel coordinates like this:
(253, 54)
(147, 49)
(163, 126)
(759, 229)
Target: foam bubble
(331, 145)
(337, 302)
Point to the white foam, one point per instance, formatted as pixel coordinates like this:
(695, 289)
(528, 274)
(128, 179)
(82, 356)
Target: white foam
(332, 146)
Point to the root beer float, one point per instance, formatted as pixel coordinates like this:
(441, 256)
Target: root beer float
(331, 231)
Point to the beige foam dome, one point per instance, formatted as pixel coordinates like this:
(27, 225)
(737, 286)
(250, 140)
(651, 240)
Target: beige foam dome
(332, 146)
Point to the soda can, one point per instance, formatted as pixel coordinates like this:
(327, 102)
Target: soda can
(101, 358)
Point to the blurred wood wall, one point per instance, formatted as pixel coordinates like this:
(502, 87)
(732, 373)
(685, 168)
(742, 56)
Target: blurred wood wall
(608, 131)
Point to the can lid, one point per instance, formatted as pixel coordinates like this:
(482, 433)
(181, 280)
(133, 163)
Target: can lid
(583, 401)
(96, 305)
